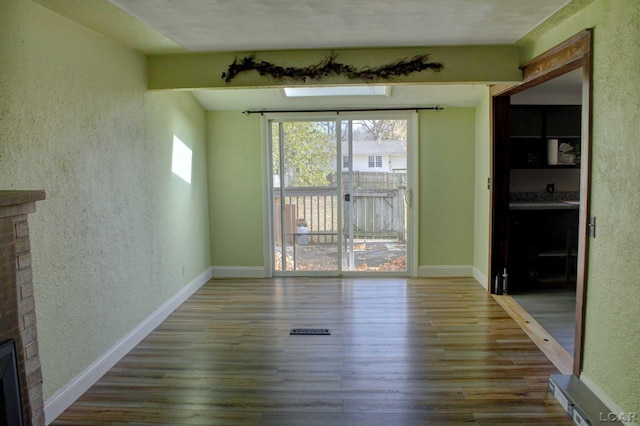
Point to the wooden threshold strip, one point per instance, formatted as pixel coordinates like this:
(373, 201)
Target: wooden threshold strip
(557, 354)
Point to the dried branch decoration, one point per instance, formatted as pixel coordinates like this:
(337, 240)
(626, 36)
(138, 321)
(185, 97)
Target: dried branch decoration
(329, 66)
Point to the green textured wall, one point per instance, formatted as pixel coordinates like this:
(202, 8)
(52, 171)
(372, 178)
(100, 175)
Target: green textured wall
(235, 188)
(110, 240)
(482, 200)
(446, 162)
(612, 335)
(446, 205)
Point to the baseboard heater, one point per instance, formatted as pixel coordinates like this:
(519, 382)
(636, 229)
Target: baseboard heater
(582, 405)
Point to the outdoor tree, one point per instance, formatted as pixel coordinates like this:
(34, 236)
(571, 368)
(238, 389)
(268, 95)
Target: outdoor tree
(308, 152)
(381, 130)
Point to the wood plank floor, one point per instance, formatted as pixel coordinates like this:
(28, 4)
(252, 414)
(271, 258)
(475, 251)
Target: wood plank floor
(401, 352)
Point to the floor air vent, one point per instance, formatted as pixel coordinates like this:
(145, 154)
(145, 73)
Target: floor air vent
(310, 332)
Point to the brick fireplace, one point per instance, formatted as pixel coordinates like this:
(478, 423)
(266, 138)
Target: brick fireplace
(17, 304)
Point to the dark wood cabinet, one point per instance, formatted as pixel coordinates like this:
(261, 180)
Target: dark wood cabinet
(562, 121)
(543, 248)
(527, 121)
(531, 128)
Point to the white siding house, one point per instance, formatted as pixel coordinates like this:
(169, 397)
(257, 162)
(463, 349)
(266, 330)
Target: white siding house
(372, 156)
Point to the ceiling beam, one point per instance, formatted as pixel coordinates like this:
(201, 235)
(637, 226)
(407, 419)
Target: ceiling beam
(462, 64)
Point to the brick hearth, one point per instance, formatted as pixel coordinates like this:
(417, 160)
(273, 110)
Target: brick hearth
(17, 304)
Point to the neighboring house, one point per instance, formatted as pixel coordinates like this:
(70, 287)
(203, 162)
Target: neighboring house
(370, 157)
(373, 156)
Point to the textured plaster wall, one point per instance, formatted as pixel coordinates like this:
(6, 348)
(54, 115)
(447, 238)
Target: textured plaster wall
(482, 199)
(110, 240)
(612, 335)
(446, 158)
(235, 188)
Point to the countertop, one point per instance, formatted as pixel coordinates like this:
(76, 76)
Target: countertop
(544, 205)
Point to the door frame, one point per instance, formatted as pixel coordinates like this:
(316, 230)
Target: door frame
(574, 53)
(412, 185)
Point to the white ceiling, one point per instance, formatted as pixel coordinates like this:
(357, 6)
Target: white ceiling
(253, 25)
(563, 90)
(232, 25)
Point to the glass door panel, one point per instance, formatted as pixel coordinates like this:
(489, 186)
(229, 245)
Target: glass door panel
(305, 205)
(374, 185)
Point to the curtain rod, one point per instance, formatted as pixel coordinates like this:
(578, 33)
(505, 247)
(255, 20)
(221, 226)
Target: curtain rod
(338, 111)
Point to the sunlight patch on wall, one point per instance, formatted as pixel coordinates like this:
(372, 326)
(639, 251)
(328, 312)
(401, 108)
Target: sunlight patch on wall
(181, 159)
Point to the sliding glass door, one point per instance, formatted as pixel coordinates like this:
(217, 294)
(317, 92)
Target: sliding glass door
(339, 192)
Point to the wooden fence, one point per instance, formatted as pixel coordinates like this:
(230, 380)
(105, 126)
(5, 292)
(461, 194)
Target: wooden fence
(374, 180)
(378, 213)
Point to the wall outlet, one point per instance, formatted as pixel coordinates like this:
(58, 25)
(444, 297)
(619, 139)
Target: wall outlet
(551, 188)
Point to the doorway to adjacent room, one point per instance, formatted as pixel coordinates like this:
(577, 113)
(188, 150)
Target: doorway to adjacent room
(539, 237)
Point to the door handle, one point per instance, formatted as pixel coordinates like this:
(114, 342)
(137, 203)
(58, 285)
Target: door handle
(408, 197)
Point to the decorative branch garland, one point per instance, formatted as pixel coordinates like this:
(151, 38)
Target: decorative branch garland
(330, 66)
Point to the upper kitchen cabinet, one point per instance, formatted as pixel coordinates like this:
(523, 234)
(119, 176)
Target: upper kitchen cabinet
(562, 121)
(527, 121)
(545, 136)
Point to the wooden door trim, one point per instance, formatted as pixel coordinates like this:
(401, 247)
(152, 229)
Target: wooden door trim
(498, 248)
(572, 54)
(585, 208)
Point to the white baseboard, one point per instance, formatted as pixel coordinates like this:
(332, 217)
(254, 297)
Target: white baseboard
(68, 394)
(612, 406)
(239, 272)
(481, 278)
(445, 271)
